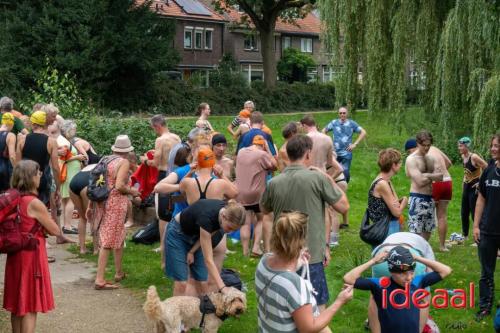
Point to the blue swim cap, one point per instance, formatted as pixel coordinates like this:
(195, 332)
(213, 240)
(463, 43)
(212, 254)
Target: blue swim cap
(410, 144)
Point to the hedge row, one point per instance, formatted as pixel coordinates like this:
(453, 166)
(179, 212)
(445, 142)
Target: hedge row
(182, 98)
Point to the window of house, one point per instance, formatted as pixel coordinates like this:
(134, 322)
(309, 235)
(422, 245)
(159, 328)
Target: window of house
(198, 38)
(208, 39)
(306, 45)
(252, 72)
(328, 73)
(188, 37)
(312, 74)
(287, 42)
(250, 43)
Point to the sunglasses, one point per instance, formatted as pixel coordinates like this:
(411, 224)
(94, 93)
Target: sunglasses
(405, 267)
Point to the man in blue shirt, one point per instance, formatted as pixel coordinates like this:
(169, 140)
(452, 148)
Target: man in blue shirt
(401, 263)
(343, 130)
(256, 123)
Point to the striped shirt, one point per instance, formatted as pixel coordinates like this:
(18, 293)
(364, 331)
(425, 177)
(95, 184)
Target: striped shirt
(279, 294)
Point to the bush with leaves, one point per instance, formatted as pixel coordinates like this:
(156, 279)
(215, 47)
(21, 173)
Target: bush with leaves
(294, 64)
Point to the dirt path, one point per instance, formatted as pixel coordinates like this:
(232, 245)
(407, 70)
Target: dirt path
(80, 308)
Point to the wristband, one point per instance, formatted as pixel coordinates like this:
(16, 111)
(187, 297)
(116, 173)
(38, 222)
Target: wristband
(220, 290)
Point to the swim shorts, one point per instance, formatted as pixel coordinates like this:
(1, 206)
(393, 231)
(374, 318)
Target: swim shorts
(421, 215)
(441, 191)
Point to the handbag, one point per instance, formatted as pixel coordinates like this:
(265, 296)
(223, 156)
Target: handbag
(374, 233)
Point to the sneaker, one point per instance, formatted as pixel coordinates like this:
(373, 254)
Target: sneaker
(334, 244)
(481, 314)
(71, 231)
(474, 244)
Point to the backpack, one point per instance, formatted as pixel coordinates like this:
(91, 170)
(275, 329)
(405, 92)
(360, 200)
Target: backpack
(231, 278)
(98, 190)
(11, 238)
(147, 235)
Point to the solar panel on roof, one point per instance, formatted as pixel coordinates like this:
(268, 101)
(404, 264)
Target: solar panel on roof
(193, 7)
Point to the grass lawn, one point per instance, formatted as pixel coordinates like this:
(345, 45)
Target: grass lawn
(143, 266)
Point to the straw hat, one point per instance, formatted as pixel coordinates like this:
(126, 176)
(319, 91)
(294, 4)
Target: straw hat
(122, 144)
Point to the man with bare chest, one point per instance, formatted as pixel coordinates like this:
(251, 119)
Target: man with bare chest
(219, 146)
(163, 144)
(422, 170)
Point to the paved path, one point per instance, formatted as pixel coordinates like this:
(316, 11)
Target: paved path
(80, 308)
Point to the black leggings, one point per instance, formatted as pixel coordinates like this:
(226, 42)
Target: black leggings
(487, 251)
(469, 197)
(163, 201)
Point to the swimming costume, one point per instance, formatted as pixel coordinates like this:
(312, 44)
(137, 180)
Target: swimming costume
(441, 191)
(421, 215)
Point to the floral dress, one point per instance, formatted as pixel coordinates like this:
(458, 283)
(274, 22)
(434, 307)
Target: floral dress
(112, 226)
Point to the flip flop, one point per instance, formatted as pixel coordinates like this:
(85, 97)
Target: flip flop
(105, 286)
(255, 255)
(118, 278)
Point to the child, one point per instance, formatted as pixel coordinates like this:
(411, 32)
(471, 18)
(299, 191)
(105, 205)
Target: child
(401, 264)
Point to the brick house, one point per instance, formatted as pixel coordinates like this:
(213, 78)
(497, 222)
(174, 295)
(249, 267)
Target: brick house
(244, 44)
(203, 35)
(199, 35)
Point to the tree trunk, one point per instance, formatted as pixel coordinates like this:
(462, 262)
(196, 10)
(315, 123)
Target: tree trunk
(268, 56)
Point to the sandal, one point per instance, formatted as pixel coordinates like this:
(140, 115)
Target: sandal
(51, 259)
(105, 286)
(255, 255)
(118, 278)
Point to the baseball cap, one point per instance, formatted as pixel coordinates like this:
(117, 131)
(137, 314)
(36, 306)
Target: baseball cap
(206, 158)
(410, 144)
(400, 260)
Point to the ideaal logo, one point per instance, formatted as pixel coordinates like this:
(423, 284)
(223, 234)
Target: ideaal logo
(440, 300)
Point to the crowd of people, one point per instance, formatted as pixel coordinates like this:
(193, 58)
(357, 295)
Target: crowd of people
(285, 204)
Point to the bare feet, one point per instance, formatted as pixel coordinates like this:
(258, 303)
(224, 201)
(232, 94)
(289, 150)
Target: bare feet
(64, 240)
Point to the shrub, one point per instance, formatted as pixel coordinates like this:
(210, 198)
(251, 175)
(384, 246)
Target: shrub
(293, 65)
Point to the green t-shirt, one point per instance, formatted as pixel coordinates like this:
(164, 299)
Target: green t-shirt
(18, 126)
(306, 191)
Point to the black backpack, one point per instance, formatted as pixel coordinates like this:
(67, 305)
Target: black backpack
(231, 278)
(147, 235)
(98, 190)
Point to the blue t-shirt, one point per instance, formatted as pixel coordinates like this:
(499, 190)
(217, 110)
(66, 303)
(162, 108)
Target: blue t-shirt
(397, 320)
(181, 173)
(342, 134)
(247, 139)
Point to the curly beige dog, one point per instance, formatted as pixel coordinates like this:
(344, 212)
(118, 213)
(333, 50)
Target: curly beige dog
(182, 313)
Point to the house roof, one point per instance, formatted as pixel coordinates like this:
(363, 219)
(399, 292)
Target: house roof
(173, 8)
(309, 25)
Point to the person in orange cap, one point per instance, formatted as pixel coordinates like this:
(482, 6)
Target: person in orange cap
(243, 117)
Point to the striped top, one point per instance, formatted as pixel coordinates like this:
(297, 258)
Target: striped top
(279, 294)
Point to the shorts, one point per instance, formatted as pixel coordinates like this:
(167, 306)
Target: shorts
(254, 208)
(163, 211)
(318, 281)
(441, 191)
(177, 246)
(79, 182)
(421, 213)
(45, 185)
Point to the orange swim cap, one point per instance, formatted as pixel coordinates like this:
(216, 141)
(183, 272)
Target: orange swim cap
(259, 140)
(206, 158)
(245, 113)
(266, 129)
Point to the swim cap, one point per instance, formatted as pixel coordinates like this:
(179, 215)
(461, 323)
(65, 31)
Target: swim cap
(259, 140)
(465, 141)
(245, 113)
(410, 144)
(206, 158)
(218, 138)
(400, 260)
(39, 118)
(7, 119)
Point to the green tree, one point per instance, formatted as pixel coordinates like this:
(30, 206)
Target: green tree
(454, 46)
(113, 47)
(293, 65)
(264, 14)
